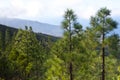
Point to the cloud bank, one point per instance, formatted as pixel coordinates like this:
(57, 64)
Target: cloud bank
(48, 10)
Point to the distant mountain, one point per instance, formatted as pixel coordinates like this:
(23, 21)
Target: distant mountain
(44, 28)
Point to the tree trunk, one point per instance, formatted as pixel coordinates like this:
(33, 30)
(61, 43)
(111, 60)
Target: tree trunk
(103, 58)
(103, 51)
(70, 48)
(71, 69)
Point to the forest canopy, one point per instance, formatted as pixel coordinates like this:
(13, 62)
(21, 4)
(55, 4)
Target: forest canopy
(80, 54)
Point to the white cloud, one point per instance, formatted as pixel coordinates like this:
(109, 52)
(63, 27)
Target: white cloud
(116, 13)
(86, 13)
(57, 7)
(51, 9)
(21, 9)
(66, 3)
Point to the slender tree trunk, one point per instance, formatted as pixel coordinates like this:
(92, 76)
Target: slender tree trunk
(103, 52)
(70, 47)
(71, 71)
(103, 60)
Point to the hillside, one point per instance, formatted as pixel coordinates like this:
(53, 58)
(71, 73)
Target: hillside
(39, 36)
(37, 27)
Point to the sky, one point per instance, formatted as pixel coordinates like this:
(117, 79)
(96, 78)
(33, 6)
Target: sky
(52, 11)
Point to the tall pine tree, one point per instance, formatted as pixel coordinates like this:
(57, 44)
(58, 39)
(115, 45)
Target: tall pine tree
(103, 24)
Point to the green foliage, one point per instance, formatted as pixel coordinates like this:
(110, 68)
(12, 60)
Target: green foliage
(55, 69)
(24, 52)
(113, 43)
(103, 22)
(25, 55)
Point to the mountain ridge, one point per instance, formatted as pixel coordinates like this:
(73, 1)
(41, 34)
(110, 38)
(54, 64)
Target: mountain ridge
(38, 27)
(39, 36)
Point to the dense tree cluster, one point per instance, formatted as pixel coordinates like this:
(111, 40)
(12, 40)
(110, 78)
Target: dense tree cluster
(90, 54)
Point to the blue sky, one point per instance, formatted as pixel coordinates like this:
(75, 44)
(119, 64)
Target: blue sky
(51, 11)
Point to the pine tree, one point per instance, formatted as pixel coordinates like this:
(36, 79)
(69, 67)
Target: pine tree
(64, 48)
(103, 24)
(69, 24)
(24, 54)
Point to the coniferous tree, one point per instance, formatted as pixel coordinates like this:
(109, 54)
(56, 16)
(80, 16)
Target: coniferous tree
(68, 24)
(64, 48)
(103, 24)
(24, 54)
